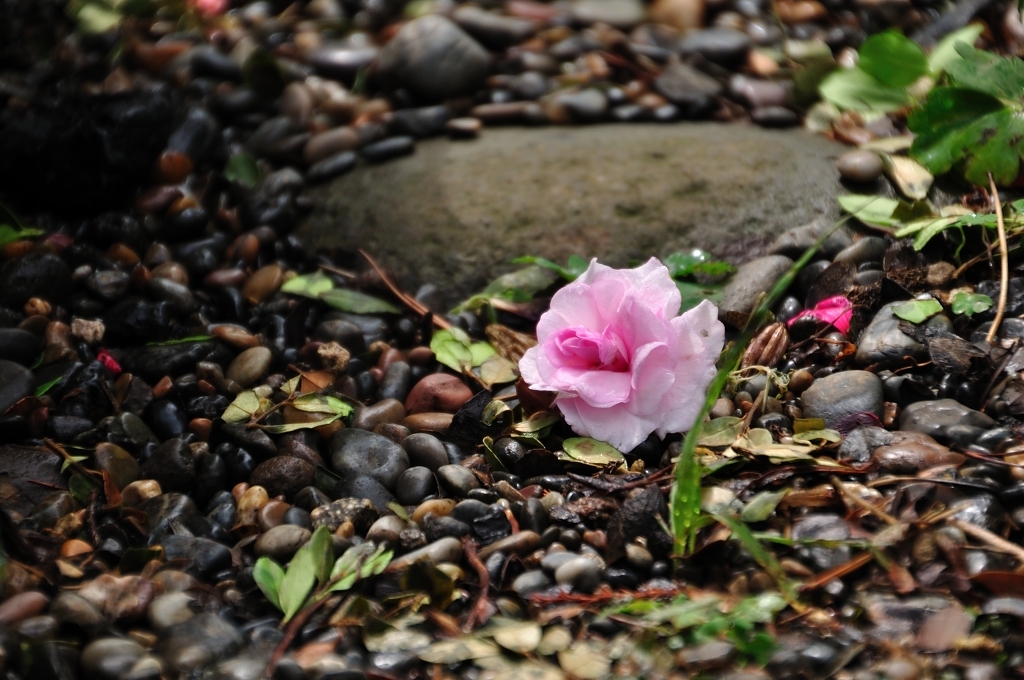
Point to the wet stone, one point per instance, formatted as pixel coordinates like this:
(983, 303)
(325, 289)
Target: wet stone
(386, 149)
(283, 475)
(35, 275)
(360, 512)
(457, 479)
(414, 485)
(109, 658)
(205, 557)
(357, 453)
(860, 166)
(281, 542)
(332, 166)
(750, 280)
(171, 465)
(198, 642)
(495, 31)
(622, 14)
(19, 346)
(839, 396)
(882, 342)
(434, 58)
(166, 509)
(723, 46)
(530, 582)
(425, 450)
(688, 88)
(824, 527)
(16, 383)
(909, 452)
(582, 574)
(443, 550)
(938, 418)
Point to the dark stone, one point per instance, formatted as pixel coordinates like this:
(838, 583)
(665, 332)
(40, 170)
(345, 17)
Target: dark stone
(172, 466)
(137, 321)
(283, 475)
(16, 383)
(356, 453)
(34, 275)
(205, 557)
(389, 148)
(19, 346)
(92, 152)
(689, 89)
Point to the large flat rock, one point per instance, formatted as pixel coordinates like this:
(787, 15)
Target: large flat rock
(455, 213)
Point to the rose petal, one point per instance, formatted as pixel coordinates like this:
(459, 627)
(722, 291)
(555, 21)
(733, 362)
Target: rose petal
(617, 426)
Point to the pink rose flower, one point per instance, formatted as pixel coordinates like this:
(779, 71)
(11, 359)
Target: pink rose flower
(622, 361)
(210, 7)
(836, 310)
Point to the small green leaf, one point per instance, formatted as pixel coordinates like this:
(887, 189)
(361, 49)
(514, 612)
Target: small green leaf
(818, 437)
(452, 347)
(269, 576)
(720, 431)
(292, 427)
(969, 304)
(917, 311)
(945, 52)
(10, 234)
(309, 285)
(998, 76)
(570, 272)
(297, 582)
(591, 451)
(180, 341)
(497, 370)
(71, 460)
(762, 505)
(481, 351)
(875, 210)
(80, 487)
(856, 90)
(892, 59)
(321, 548)
(357, 303)
(696, 261)
(692, 294)
(322, 403)
(47, 386)
(246, 405)
(242, 168)
(761, 555)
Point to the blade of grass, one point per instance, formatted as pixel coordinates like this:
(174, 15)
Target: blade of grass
(764, 557)
(685, 497)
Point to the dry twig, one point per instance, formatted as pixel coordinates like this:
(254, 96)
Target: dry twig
(991, 540)
(1004, 265)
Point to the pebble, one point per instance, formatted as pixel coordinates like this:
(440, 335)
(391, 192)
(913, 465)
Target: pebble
(198, 642)
(414, 485)
(860, 166)
(281, 542)
(882, 342)
(22, 606)
(724, 46)
(110, 658)
(443, 550)
(910, 452)
(938, 419)
(283, 475)
(357, 453)
(750, 280)
(622, 14)
(249, 366)
(840, 396)
(169, 609)
(16, 383)
(434, 58)
(458, 480)
(582, 574)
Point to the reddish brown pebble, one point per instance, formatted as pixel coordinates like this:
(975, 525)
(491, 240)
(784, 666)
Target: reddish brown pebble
(172, 271)
(245, 248)
(271, 515)
(263, 283)
(180, 204)
(420, 356)
(37, 307)
(74, 547)
(236, 336)
(173, 167)
(428, 422)
(597, 539)
(17, 249)
(121, 254)
(21, 606)
(201, 427)
(161, 389)
(238, 490)
(224, 278)
(438, 392)
(388, 357)
(156, 254)
(156, 199)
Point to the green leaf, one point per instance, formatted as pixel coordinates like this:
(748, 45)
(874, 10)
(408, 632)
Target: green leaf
(80, 487)
(876, 210)
(10, 234)
(762, 505)
(71, 460)
(956, 124)
(497, 370)
(321, 548)
(721, 431)
(481, 351)
(357, 303)
(818, 437)
(297, 583)
(180, 341)
(292, 427)
(570, 272)
(696, 261)
(94, 17)
(246, 405)
(692, 294)
(1001, 77)
(969, 304)
(322, 403)
(761, 555)
(47, 386)
(892, 59)
(917, 311)
(760, 608)
(945, 52)
(268, 576)
(590, 452)
(855, 90)
(525, 282)
(242, 168)
(309, 285)
(450, 350)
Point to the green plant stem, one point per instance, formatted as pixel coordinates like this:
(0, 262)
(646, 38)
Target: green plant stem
(685, 497)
